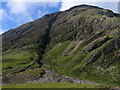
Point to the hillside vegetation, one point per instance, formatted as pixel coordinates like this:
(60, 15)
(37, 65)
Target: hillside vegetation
(82, 42)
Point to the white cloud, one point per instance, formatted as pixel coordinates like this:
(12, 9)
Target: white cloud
(33, 0)
(4, 15)
(17, 7)
(1, 31)
(18, 13)
(41, 13)
(1, 14)
(66, 4)
(22, 9)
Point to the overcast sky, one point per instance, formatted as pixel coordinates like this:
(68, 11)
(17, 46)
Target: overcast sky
(14, 13)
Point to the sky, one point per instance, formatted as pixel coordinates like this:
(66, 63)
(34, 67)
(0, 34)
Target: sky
(14, 13)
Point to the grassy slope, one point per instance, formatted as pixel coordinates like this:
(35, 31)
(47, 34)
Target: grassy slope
(18, 60)
(70, 63)
(53, 85)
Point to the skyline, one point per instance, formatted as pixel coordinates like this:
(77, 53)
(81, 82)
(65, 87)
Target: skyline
(14, 14)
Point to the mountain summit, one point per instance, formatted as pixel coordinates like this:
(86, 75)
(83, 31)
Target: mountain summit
(81, 42)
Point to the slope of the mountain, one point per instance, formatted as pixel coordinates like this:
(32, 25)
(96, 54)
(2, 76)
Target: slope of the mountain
(82, 42)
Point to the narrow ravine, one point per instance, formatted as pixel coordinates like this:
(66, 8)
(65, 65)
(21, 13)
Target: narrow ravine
(44, 40)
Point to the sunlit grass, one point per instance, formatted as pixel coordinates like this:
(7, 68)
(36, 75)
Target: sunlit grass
(53, 85)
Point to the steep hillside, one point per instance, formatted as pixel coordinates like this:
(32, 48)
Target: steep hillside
(82, 42)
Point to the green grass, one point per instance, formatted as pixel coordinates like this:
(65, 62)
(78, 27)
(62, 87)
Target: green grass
(17, 60)
(66, 64)
(53, 85)
(72, 64)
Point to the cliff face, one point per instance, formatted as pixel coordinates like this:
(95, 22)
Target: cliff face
(82, 42)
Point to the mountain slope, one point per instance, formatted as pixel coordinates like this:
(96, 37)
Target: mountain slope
(82, 42)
